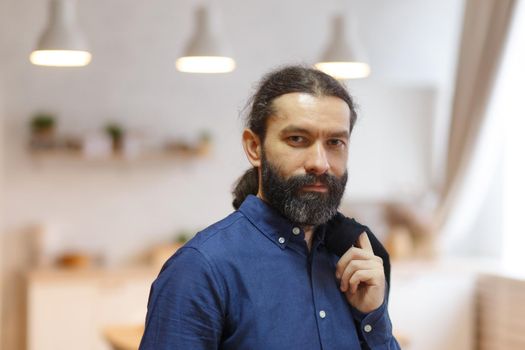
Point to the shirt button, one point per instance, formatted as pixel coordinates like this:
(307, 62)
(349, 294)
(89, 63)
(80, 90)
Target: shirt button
(296, 231)
(281, 240)
(368, 328)
(322, 314)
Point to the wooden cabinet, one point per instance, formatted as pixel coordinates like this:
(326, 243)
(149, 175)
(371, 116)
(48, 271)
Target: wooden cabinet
(501, 307)
(70, 309)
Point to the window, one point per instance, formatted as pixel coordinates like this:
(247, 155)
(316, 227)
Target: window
(509, 107)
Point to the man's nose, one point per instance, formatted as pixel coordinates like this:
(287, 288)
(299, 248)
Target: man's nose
(317, 160)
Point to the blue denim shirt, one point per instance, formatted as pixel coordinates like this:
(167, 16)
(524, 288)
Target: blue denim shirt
(249, 282)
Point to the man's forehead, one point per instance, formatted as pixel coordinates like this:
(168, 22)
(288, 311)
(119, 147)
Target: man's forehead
(302, 109)
(303, 100)
(300, 99)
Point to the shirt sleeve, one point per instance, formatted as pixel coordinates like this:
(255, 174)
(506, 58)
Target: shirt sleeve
(185, 308)
(375, 328)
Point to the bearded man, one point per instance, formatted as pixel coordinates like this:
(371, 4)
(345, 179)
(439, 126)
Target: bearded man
(269, 276)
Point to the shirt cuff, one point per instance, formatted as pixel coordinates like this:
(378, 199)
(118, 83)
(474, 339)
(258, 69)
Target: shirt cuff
(375, 327)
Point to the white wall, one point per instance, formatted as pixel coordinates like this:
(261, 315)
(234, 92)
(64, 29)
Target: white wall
(390, 152)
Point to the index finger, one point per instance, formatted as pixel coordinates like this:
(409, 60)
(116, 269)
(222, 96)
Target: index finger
(364, 243)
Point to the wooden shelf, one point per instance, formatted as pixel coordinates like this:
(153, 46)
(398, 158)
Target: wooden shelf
(76, 157)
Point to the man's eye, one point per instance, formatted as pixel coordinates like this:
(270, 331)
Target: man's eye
(336, 143)
(295, 139)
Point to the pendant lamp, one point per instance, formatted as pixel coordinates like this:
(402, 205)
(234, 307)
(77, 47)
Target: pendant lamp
(343, 59)
(205, 51)
(61, 43)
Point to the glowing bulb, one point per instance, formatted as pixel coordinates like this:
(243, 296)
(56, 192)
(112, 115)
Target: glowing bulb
(60, 58)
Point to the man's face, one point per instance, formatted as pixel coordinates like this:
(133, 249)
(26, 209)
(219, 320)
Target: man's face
(303, 166)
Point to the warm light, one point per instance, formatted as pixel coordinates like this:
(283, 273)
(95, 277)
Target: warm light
(60, 58)
(205, 64)
(345, 70)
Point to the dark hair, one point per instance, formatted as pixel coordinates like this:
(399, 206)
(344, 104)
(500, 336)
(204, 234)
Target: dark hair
(279, 82)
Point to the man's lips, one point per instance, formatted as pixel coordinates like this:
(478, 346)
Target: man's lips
(315, 188)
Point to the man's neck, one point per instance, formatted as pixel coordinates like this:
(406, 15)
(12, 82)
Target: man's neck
(309, 235)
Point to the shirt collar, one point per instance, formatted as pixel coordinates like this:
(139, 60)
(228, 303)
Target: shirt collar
(270, 222)
(273, 225)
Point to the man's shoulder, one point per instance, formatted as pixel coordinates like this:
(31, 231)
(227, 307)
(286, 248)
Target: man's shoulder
(212, 244)
(224, 234)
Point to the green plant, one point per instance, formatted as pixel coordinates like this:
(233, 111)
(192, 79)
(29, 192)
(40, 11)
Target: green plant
(115, 131)
(42, 121)
(183, 236)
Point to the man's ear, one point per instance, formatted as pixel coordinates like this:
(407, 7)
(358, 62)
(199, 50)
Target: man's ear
(252, 147)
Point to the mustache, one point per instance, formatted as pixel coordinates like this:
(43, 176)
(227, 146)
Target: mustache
(312, 179)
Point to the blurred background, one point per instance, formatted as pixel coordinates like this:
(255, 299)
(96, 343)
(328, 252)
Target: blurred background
(107, 168)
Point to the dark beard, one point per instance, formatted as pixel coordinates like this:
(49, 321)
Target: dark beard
(302, 208)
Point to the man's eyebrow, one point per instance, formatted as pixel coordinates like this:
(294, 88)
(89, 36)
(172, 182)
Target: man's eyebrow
(340, 134)
(297, 129)
(292, 128)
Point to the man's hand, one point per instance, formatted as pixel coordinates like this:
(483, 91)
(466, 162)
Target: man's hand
(362, 276)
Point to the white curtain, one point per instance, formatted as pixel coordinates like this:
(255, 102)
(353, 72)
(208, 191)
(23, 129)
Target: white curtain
(472, 155)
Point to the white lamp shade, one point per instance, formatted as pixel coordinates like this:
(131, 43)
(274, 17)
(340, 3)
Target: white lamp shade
(343, 59)
(205, 51)
(61, 44)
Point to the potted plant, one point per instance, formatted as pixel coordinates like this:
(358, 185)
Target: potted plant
(116, 133)
(42, 130)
